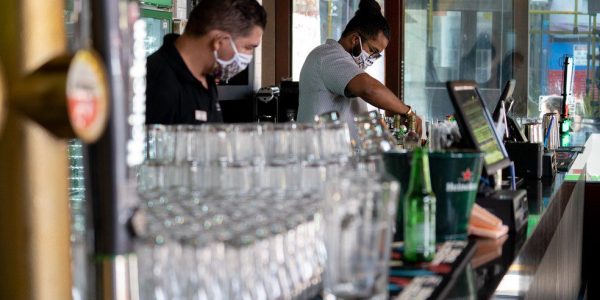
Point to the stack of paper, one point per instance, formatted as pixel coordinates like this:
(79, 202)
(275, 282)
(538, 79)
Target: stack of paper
(485, 224)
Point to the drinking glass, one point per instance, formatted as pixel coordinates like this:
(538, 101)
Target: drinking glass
(185, 143)
(358, 215)
(244, 139)
(267, 267)
(311, 170)
(160, 143)
(243, 283)
(309, 139)
(278, 146)
(153, 253)
(200, 264)
(279, 257)
(150, 180)
(335, 139)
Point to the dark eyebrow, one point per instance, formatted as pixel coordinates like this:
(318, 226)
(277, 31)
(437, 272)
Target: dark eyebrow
(373, 48)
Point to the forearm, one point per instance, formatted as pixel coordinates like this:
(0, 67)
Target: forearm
(383, 98)
(376, 94)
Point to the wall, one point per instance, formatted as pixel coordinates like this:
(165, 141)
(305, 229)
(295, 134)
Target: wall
(268, 46)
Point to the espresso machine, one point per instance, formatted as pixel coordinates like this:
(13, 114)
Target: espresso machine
(266, 104)
(277, 104)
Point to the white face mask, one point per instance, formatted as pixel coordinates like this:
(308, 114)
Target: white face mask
(363, 60)
(238, 63)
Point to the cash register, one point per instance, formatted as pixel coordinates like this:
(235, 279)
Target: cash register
(479, 133)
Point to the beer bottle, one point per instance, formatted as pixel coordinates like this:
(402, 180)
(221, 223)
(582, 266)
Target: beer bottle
(412, 140)
(419, 211)
(398, 130)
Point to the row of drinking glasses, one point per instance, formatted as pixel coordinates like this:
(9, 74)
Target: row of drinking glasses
(248, 144)
(231, 209)
(233, 212)
(216, 161)
(264, 248)
(236, 249)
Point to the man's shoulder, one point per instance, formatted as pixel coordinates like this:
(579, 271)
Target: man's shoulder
(158, 67)
(325, 52)
(329, 47)
(158, 58)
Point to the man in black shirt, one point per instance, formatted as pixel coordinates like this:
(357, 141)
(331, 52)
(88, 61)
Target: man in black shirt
(217, 44)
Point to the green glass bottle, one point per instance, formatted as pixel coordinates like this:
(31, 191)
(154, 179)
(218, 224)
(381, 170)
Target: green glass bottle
(419, 211)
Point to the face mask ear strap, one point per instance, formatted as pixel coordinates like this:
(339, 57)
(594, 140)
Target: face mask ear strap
(233, 46)
(244, 57)
(235, 53)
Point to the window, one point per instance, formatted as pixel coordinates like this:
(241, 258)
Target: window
(558, 29)
(455, 40)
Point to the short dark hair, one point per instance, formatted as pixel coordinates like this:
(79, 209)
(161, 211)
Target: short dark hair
(237, 17)
(368, 21)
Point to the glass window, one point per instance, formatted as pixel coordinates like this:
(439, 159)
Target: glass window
(315, 21)
(158, 24)
(559, 29)
(455, 40)
(77, 24)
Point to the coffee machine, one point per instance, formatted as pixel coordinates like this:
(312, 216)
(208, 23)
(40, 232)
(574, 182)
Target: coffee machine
(266, 104)
(277, 104)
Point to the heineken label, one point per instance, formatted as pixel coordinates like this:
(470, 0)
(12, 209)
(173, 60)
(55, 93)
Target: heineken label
(464, 183)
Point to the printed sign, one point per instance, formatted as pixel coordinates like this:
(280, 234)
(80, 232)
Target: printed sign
(87, 95)
(580, 54)
(201, 115)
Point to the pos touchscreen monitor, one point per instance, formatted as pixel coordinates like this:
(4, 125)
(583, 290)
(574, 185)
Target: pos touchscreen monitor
(505, 102)
(477, 126)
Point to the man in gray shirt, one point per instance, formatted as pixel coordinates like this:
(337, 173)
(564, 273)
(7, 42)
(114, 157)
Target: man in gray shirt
(333, 73)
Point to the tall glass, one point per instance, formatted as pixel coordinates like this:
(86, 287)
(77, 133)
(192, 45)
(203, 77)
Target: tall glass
(358, 219)
(160, 143)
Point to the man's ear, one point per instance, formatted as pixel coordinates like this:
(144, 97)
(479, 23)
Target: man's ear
(355, 38)
(217, 37)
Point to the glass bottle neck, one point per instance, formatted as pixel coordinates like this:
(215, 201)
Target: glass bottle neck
(412, 122)
(419, 179)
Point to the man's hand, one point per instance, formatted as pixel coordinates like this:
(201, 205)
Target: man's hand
(419, 124)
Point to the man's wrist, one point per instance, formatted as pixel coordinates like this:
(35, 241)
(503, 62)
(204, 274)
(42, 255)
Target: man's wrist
(409, 111)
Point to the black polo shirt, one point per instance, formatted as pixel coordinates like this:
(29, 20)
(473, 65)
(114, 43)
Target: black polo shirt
(173, 94)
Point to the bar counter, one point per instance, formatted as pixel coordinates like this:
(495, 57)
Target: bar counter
(544, 260)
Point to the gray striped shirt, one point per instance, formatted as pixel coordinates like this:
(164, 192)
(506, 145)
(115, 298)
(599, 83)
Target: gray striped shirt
(323, 79)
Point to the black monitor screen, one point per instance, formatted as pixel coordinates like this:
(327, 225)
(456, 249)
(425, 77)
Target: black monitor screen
(506, 97)
(476, 124)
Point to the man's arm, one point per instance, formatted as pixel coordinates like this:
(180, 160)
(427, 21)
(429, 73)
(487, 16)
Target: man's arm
(377, 94)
